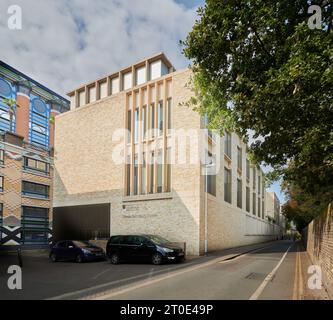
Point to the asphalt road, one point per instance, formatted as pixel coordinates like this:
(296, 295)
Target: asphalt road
(265, 274)
(251, 275)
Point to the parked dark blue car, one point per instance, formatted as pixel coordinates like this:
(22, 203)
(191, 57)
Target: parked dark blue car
(78, 251)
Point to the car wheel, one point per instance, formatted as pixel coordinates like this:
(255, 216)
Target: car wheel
(156, 259)
(53, 257)
(114, 259)
(79, 258)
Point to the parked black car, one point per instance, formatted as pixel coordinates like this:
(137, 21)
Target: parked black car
(78, 251)
(145, 248)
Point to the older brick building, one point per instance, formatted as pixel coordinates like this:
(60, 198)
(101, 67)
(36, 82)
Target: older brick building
(128, 161)
(26, 159)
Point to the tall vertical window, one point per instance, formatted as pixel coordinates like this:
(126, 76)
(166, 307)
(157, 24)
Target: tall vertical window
(143, 174)
(263, 209)
(35, 223)
(239, 193)
(227, 185)
(152, 117)
(247, 199)
(239, 158)
(1, 183)
(159, 172)
(259, 184)
(254, 177)
(254, 204)
(168, 169)
(128, 176)
(152, 171)
(169, 113)
(211, 178)
(247, 169)
(227, 144)
(144, 122)
(7, 91)
(259, 207)
(160, 118)
(136, 175)
(136, 126)
(263, 186)
(211, 184)
(2, 157)
(39, 122)
(129, 125)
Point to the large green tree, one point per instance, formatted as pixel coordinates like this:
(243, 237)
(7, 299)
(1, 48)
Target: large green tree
(258, 67)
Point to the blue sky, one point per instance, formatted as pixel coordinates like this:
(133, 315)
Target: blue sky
(66, 43)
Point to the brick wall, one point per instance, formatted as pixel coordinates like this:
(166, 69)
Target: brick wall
(320, 243)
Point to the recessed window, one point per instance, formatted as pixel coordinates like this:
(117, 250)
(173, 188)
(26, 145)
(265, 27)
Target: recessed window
(259, 207)
(92, 94)
(129, 126)
(140, 75)
(136, 175)
(144, 122)
(128, 176)
(2, 157)
(103, 90)
(160, 118)
(143, 174)
(259, 184)
(227, 144)
(115, 85)
(247, 170)
(254, 177)
(239, 194)
(127, 80)
(169, 113)
(1, 183)
(254, 204)
(168, 169)
(227, 185)
(152, 176)
(239, 158)
(36, 165)
(136, 126)
(160, 172)
(35, 189)
(82, 98)
(247, 199)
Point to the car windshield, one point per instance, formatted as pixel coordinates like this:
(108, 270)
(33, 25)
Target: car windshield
(82, 244)
(158, 240)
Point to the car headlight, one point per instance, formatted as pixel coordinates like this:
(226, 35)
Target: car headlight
(167, 250)
(85, 251)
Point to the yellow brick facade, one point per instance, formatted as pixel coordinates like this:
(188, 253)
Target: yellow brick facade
(86, 173)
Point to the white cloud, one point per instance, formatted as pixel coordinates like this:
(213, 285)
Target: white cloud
(67, 43)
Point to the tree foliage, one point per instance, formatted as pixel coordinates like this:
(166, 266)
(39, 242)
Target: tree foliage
(258, 67)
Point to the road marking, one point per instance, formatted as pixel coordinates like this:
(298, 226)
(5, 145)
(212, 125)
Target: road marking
(298, 282)
(269, 277)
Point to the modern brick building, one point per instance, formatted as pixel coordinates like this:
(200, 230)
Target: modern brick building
(128, 161)
(26, 159)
